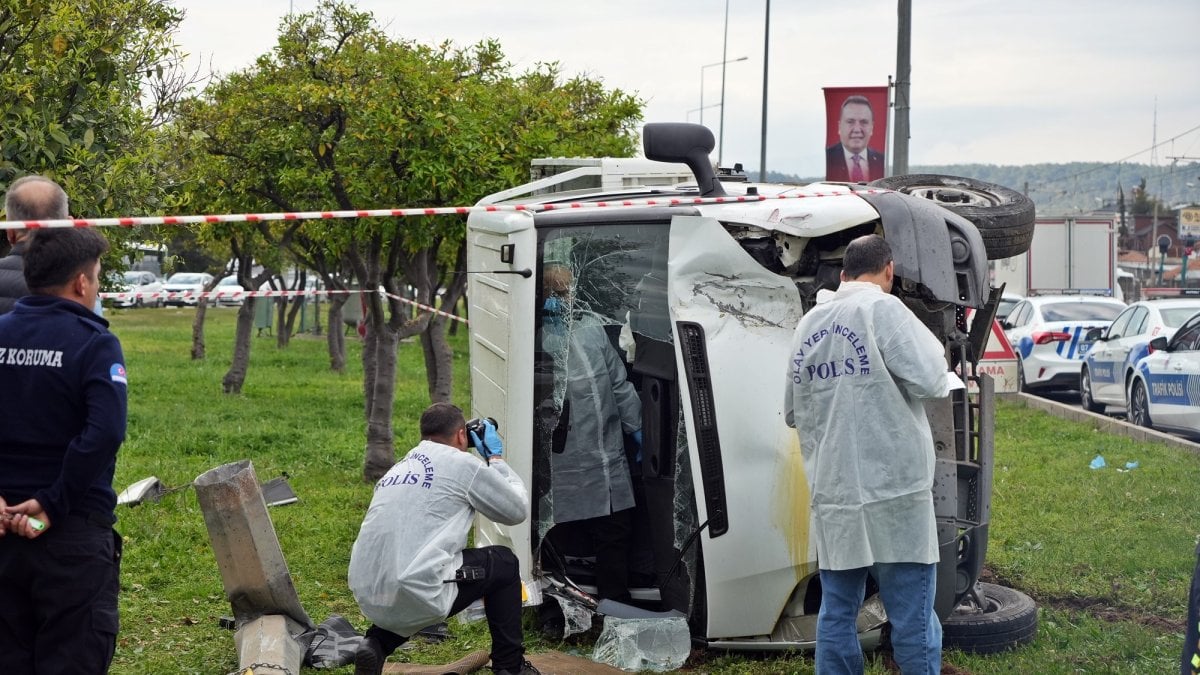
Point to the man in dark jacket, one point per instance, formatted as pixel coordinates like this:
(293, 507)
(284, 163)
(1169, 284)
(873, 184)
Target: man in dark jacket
(64, 403)
(28, 198)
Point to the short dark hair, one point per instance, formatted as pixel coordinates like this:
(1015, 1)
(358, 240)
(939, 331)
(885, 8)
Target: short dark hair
(57, 255)
(441, 420)
(868, 254)
(35, 198)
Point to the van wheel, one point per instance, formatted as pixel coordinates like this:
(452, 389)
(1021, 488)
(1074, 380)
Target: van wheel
(1003, 216)
(990, 620)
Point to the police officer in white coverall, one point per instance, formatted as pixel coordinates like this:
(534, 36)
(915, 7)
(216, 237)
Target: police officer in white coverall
(861, 363)
(590, 477)
(410, 567)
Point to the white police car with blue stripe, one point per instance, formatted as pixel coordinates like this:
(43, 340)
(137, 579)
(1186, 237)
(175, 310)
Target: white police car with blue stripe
(1165, 391)
(1109, 366)
(1051, 336)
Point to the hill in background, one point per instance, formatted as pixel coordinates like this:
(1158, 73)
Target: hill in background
(1075, 187)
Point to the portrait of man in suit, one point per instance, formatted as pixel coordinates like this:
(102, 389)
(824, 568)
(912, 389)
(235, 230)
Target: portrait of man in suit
(851, 159)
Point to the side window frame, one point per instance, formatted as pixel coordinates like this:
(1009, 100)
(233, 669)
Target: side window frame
(1117, 329)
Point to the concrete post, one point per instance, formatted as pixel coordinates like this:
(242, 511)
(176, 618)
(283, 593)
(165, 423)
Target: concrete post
(254, 572)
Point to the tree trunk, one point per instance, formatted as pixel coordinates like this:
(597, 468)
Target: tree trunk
(439, 356)
(439, 361)
(198, 330)
(236, 375)
(336, 337)
(297, 305)
(379, 382)
(285, 331)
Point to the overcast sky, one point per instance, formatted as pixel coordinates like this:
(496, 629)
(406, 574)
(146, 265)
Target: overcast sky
(998, 82)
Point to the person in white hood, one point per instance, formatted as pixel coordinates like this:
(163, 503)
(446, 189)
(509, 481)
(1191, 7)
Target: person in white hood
(861, 363)
(408, 567)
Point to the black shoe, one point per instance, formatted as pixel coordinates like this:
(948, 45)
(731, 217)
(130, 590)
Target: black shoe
(438, 632)
(526, 668)
(369, 658)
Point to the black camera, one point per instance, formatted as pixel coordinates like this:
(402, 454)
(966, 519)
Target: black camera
(476, 426)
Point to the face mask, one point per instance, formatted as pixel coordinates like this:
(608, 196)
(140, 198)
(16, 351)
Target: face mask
(553, 309)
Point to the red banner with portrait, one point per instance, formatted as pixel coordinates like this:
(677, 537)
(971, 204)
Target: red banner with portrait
(856, 124)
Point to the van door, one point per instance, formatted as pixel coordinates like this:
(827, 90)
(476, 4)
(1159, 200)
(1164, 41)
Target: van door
(733, 322)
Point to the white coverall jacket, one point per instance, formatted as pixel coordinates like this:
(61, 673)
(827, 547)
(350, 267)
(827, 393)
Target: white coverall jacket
(590, 478)
(861, 363)
(412, 538)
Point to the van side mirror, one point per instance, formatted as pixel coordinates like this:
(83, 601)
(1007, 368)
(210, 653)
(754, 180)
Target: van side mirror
(690, 144)
(1159, 344)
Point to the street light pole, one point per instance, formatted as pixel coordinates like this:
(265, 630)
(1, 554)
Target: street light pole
(724, 60)
(703, 107)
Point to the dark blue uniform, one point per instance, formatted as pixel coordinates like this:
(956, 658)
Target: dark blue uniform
(62, 419)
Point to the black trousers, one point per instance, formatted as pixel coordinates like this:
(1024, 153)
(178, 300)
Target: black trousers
(612, 534)
(58, 599)
(500, 589)
(1190, 662)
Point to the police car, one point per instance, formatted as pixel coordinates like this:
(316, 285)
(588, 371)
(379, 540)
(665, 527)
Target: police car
(1165, 391)
(1008, 302)
(1050, 334)
(1108, 368)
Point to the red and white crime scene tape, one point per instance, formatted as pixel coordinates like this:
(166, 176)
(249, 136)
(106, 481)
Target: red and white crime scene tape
(137, 221)
(239, 295)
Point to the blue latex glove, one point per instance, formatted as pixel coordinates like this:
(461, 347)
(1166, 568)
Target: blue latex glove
(637, 438)
(490, 445)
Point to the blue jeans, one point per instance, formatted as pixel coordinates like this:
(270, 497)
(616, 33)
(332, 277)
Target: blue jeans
(907, 592)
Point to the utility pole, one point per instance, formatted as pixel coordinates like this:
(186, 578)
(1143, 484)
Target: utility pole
(903, 82)
(762, 156)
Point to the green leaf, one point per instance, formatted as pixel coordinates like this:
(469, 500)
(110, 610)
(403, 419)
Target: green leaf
(89, 137)
(58, 135)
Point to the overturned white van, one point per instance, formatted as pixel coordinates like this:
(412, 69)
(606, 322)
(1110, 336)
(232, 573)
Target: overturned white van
(701, 301)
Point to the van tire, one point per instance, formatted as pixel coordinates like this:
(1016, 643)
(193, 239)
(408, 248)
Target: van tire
(1007, 620)
(1003, 216)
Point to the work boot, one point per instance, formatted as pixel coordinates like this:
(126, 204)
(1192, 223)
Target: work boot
(526, 668)
(369, 658)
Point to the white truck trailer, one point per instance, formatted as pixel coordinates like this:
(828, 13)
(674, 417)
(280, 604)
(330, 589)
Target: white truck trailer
(1067, 255)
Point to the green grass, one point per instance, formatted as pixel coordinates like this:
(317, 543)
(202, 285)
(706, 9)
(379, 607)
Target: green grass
(1107, 554)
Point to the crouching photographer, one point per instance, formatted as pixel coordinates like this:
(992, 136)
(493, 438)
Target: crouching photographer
(410, 567)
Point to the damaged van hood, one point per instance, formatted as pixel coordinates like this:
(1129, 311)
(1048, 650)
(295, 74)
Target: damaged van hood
(931, 245)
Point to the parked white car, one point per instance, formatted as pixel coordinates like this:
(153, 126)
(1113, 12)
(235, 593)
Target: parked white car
(1109, 366)
(1050, 334)
(229, 292)
(1165, 391)
(184, 288)
(139, 284)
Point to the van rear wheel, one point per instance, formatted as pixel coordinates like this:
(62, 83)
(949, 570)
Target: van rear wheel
(1003, 216)
(990, 620)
